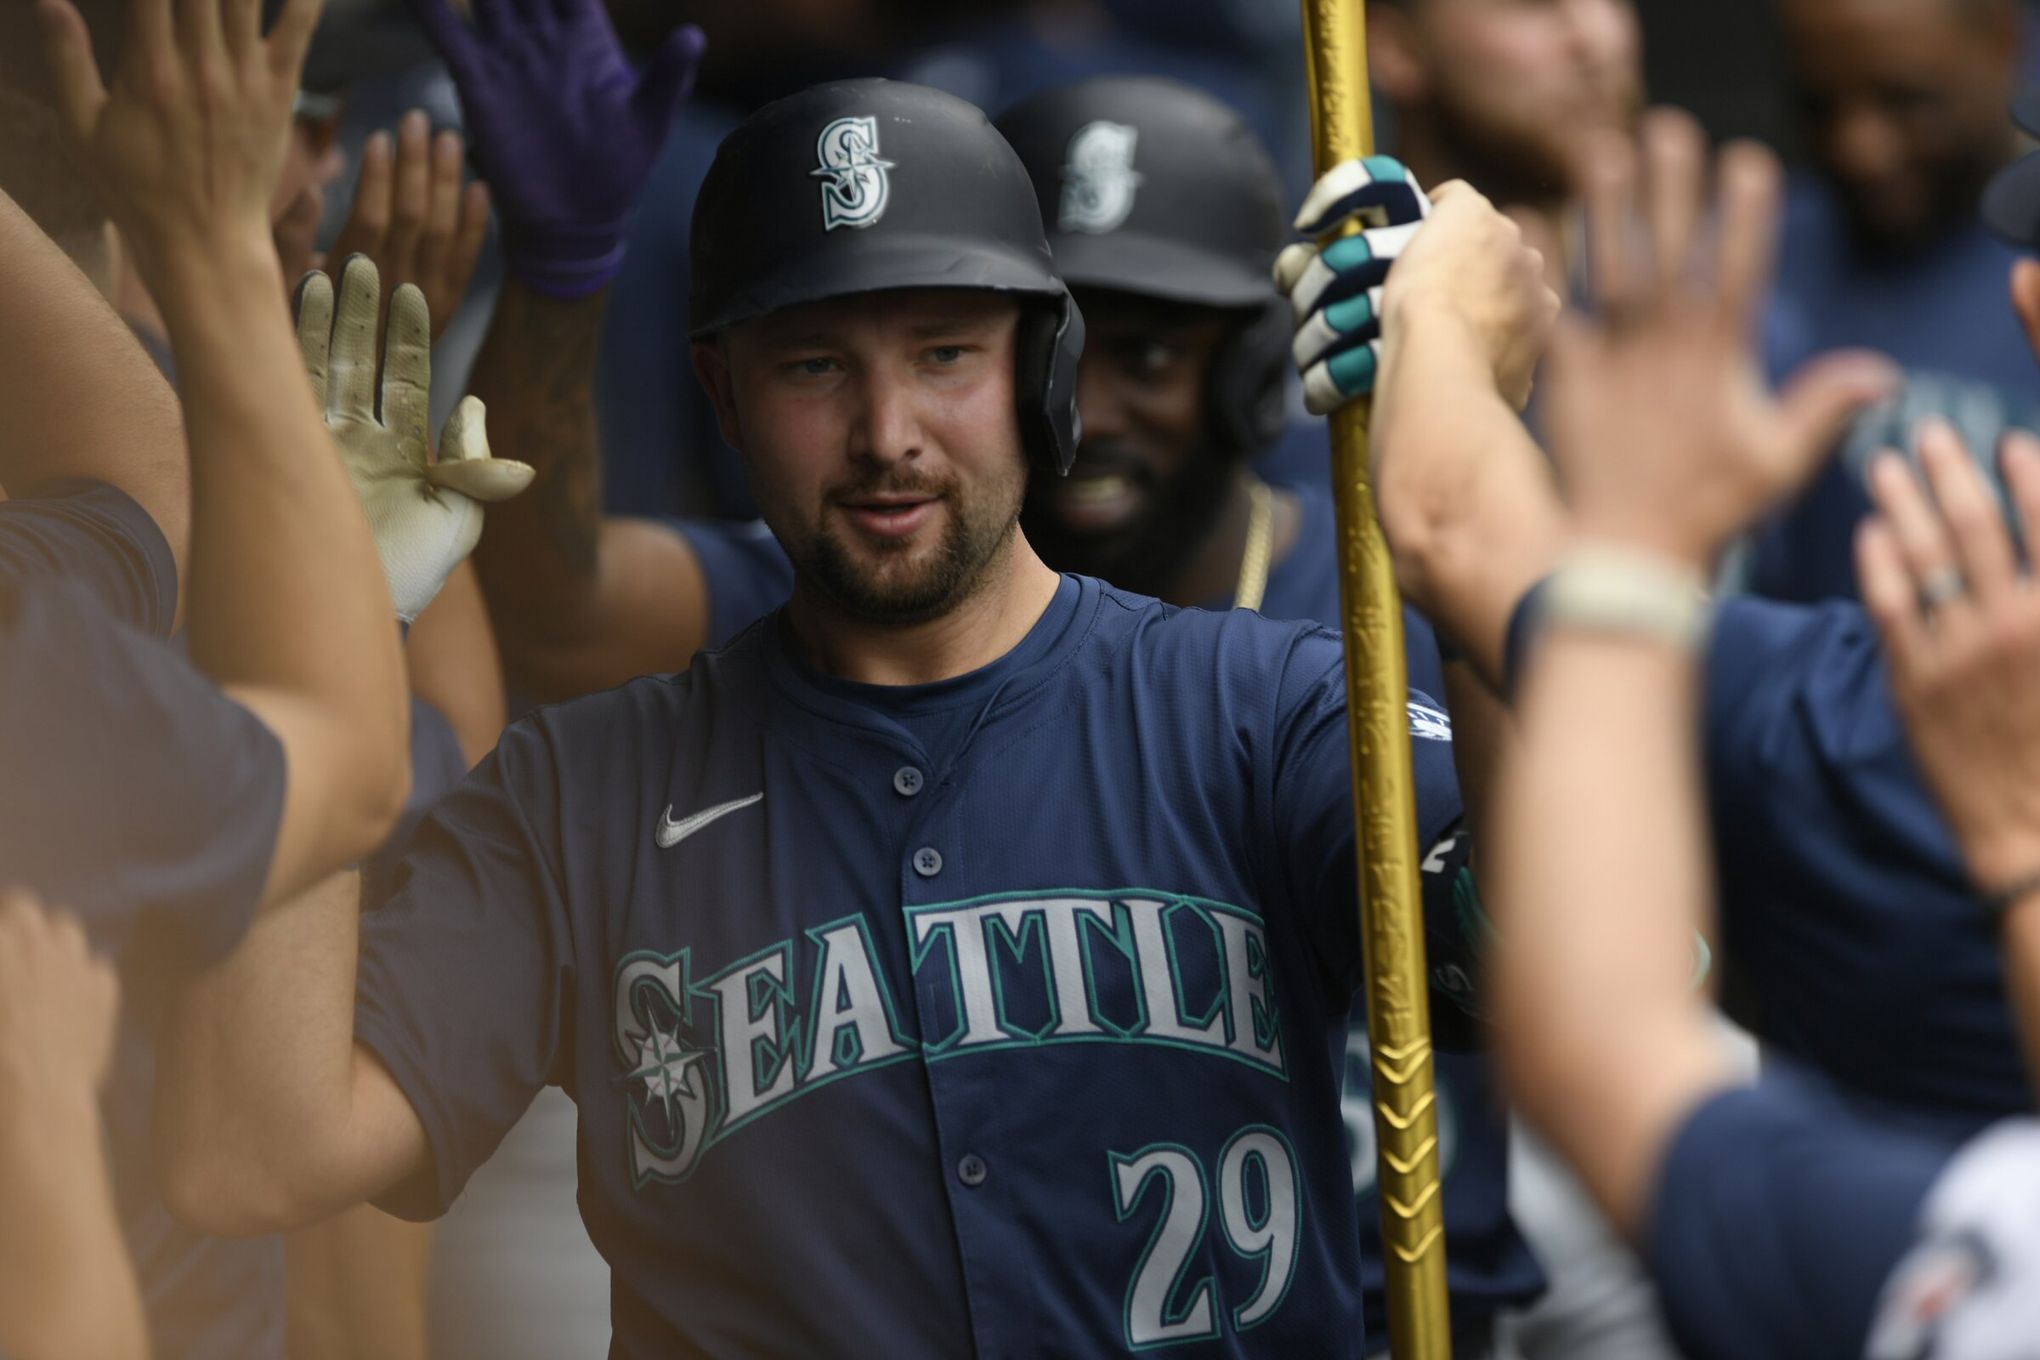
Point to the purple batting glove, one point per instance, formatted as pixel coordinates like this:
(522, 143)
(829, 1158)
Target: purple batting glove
(563, 128)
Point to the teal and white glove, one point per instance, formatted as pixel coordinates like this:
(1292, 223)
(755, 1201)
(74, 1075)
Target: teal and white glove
(1335, 289)
(426, 515)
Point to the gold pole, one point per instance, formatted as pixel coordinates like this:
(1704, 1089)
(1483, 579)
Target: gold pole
(1384, 813)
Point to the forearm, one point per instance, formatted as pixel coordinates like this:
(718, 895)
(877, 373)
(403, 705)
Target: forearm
(66, 1285)
(287, 601)
(1467, 500)
(256, 1117)
(454, 665)
(1601, 883)
(82, 397)
(540, 561)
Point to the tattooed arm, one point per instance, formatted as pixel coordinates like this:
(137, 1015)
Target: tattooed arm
(580, 601)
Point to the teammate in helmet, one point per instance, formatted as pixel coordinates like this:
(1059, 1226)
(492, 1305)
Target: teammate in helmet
(1164, 215)
(947, 965)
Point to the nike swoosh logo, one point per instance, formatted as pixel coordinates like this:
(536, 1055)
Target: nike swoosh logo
(671, 833)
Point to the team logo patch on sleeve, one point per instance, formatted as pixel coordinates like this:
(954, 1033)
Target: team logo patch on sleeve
(1429, 724)
(1099, 179)
(855, 183)
(1970, 1287)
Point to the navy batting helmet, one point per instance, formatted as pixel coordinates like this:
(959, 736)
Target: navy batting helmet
(861, 185)
(1150, 187)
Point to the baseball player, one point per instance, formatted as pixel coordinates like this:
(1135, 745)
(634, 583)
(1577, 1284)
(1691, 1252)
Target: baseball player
(1780, 1224)
(1163, 214)
(952, 963)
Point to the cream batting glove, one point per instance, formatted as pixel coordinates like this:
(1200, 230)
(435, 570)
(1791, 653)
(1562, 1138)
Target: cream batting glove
(426, 515)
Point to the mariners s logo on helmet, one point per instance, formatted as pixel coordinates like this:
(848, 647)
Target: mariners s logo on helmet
(1099, 178)
(854, 180)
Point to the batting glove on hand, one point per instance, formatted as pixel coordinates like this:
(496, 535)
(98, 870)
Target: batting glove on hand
(1335, 289)
(424, 514)
(566, 130)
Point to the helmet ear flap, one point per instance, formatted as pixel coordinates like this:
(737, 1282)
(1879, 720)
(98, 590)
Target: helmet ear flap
(1050, 347)
(1248, 401)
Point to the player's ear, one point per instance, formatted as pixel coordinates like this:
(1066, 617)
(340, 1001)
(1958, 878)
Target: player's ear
(712, 367)
(1395, 61)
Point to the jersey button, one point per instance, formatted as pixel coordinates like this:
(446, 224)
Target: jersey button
(927, 861)
(971, 1170)
(907, 781)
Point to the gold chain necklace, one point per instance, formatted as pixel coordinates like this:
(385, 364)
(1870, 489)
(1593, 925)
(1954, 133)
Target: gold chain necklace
(1253, 582)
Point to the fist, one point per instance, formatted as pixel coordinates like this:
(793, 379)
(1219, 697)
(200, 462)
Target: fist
(1469, 262)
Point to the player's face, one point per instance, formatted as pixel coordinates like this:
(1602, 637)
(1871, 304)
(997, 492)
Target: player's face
(882, 442)
(1134, 501)
(1904, 102)
(1514, 86)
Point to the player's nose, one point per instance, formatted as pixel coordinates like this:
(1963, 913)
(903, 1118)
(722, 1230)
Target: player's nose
(885, 427)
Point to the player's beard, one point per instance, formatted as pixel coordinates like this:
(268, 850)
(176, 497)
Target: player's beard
(1149, 554)
(897, 584)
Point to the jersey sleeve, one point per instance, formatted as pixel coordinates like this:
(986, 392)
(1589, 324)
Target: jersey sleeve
(97, 536)
(1777, 1217)
(466, 971)
(744, 569)
(136, 793)
(1313, 798)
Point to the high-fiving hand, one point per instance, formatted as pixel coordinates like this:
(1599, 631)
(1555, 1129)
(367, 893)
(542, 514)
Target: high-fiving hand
(1960, 620)
(424, 514)
(566, 132)
(186, 143)
(1663, 428)
(411, 215)
(57, 1008)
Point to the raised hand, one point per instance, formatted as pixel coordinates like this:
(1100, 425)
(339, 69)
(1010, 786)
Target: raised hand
(413, 218)
(566, 132)
(1658, 415)
(186, 142)
(57, 1008)
(1961, 628)
(424, 514)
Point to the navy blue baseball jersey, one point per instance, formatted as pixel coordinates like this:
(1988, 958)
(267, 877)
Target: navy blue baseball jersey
(743, 567)
(998, 1016)
(141, 798)
(1488, 1264)
(1848, 922)
(1786, 1226)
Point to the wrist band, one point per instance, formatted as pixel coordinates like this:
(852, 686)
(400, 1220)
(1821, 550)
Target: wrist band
(2002, 900)
(1602, 588)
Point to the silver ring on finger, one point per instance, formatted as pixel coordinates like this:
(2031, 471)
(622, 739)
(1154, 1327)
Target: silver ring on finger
(1942, 588)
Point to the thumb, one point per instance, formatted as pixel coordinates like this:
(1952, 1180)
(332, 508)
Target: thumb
(464, 464)
(669, 76)
(1824, 395)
